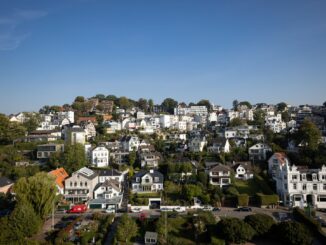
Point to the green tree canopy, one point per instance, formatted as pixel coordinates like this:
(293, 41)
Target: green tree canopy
(309, 135)
(127, 228)
(80, 99)
(261, 223)
(292, 233)
(247, 103)
(10, 130)
(206, 103)
(150, 105)
(190, 191)
(38, 190)
(142, 104)
(235, 230)
(74, 157)
(236, 122)
(281, 106)
(169, 104)
(235, 104)
(23, 221)
(124, 103)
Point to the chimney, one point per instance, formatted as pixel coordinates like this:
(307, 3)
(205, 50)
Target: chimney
(151, 171)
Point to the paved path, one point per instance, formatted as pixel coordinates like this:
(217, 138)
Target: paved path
(110, 235)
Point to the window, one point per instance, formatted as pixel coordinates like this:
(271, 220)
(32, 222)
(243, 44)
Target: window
(304, 187)
(75, 184)
(314, 177)
(303, 176)
(70, 184)
(285, 186)
(324, 186)
(297, 198)
(314, 187)
(147, 180)
(81, 184)
(137, 179)
(321, 198)
(294, 177)
(323, 177)
(85, 183)
(294, 186)
(157, 179)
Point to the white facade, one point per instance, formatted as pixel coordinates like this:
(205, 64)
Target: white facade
(300, 187)
(220, 175)
(100, 157)
(259, 151)
(197, 144)
(165, 121)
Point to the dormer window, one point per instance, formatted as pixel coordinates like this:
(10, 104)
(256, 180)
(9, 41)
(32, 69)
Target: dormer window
(303, 176)
(314, 177)
(137, 179)
(156, 179)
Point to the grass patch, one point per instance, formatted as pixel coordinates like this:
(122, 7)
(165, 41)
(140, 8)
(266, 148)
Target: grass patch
(253, 186)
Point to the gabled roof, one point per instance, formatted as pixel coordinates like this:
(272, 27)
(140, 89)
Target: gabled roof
(60, 175)
(220, 167)
(153, 174)
(109, 183)
(246, 165)
(4, 181)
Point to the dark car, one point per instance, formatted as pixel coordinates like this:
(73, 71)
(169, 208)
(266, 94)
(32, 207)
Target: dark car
(321, 221)
(244, 209)
(216, 209)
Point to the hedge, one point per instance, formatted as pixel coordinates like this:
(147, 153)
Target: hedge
(313, 225)
(243, 200)
(264, 200)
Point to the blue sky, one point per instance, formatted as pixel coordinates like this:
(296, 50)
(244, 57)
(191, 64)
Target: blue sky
(255, 50)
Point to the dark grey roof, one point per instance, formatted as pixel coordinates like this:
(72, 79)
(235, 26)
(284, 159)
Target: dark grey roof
(220, 167)
(108, 183)
(154, 174)
(109, 172)
(151, 235)
(4, 181)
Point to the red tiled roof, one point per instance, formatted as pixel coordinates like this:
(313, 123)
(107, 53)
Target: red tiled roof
(60, 175)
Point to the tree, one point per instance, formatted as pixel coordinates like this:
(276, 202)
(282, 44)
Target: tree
(324, 104)
(236, 122)
(80, 99)
(111, 97)
(259, 118)
(10, 130)
(100, 97)
(127, 228)
(190, 191)
(246, 103)
(32, 121)
(169, 104)
(74, 157)
(124, 103)
(285, 116)
(261, 223)
(38, 190)
(292, 233)
(205, 103)
(309, 135)
(235, 104)
(235, 230)
(142, 104)
(132, 158)
(23, 221)
(281, 106)
(150, 105)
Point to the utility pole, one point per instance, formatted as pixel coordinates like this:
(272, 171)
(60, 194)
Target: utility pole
(166, 233)
(53, 215)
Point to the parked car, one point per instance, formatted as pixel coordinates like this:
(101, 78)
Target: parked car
(179, 209)
(216, 209)
(110, 210)
(321, 221)
(165, 210)
(244, 209)
(80, 208)
(207, 208)
(136, 210)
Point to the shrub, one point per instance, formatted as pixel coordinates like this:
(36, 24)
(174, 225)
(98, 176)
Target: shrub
(235, 230)
(243, 200)
(261, 223)
(292, 233)
(264, 200)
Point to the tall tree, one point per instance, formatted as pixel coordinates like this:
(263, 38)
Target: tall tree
(235, 104)
(32, 121)
(127, 228)
(281, 106)
(309, 135)
(150, 105)
(80, 99)
(206, 103)
(74, 157)
(169, 104)
(38, 190)
(142, 104)
(124, 103)
(246, 103)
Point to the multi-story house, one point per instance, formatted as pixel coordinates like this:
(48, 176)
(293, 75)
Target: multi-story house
(89, 128)
(149, 159)
(79, 187)
(60, 175)
(147, 181)
(75, 135)
(107, 190)
(130, 143)
(45, 151)
(243, 170)
(300, 186)
(220, 175)
(100, 156)
(259, 152)
(276, 161)
(110, 174)
(197, 144)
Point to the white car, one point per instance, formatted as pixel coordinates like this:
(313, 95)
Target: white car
(136, 210)
(110, 210)
(179, 210)
(207, 208)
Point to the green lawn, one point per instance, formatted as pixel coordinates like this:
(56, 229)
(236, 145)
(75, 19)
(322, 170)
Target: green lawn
(253, 186)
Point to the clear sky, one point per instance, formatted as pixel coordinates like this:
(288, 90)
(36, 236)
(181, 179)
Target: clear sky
(221, 50)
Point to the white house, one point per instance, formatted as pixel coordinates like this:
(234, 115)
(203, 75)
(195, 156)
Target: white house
(220, 175)
(130, 143)
(243, 170)
(107, 190)
(147, 181)
(90, 129)
(259, 151)
(197, 144)
(75, 135)
(301, 186)
(110, 174)
(219, 145)
(100, 156)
